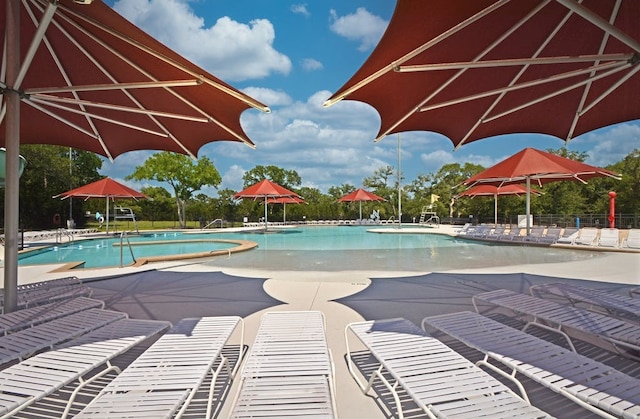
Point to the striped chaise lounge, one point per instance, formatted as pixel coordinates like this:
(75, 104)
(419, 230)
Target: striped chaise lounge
(439, 380)
(163, 381)
(565, 319)
(289, 371)
(37, 377)
(593, 385)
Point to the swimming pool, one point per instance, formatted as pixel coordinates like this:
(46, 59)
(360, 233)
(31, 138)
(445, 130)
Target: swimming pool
(319, 248)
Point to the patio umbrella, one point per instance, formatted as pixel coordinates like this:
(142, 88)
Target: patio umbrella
(103, 188)
(494, 191)
(475, 69)
(284, 200)
(77, 74)
(539, 166)
(266, 190)
(360, 195)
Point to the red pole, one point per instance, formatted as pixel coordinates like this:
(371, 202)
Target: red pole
(612, 209)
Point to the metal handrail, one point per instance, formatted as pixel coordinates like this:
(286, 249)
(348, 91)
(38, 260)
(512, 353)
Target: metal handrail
(123, 235)
(220, 220)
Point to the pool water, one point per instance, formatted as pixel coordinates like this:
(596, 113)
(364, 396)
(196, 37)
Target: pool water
(320, 248)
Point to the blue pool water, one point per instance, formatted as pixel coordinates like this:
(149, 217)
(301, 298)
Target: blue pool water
(322, 248)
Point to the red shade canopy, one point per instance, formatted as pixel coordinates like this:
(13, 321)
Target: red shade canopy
(77, 74)
(103, 188)
(286, 200)
(537, 165)
(265, 189)
(475, 69)
(540, 166)
(360, 195)
(101, 84)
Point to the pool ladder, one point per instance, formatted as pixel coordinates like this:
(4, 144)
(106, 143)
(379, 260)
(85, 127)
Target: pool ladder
(123, 236)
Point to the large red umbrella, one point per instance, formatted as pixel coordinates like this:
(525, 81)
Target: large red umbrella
(541, 167)
(475, 69)
(360, 195)
(103, 188)
(266, 190)
(77, 74)
(495, 191)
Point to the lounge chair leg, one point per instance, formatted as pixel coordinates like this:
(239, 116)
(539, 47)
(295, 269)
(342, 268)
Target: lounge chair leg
(511, 377)
(551, 329)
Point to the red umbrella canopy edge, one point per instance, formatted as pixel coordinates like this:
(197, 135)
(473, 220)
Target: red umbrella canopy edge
(103, 188)
(492, 190)
(360, 195)
(94, 81)
(476, 69)
(265, 189)
(541, 166)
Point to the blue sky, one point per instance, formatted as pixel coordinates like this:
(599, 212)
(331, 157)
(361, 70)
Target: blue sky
(294, 55)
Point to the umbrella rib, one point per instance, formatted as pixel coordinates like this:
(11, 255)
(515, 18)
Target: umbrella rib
(64, 75)
(557, 93)
(117, 86)
(94, 116)
(513, 87)
(61, 119)
(513, 62)
(609, 90)
(145, 73)
(585, 92)
(393, 65)
(231, 92)
(462, 71)
(87, 103)
(110, 76)
(601, 23)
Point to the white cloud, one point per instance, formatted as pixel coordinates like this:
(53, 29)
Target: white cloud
(300, 9)
(310, 64)
(270, 96)
(230, 50)
(609, 145)
(361, 26)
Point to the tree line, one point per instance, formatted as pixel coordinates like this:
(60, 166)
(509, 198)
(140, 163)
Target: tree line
(52, 170)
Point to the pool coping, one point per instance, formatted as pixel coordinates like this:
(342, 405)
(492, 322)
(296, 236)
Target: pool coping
(242, 246)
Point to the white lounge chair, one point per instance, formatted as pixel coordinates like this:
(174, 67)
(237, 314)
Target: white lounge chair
(561, 319)
(595, 386)
(512, 235)
(29, 317)
(633, 239)
(23, 384)
(27, 342)
(587, 237)
(289, 370)
(439, 380)
(496, 233)
(535, 234)
(609, 237)
(569, 236)
(176, 366)
(550, 236)
(614, 304)
(30, 295)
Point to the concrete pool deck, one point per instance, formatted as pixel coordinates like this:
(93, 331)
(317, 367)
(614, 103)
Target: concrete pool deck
(318, 290)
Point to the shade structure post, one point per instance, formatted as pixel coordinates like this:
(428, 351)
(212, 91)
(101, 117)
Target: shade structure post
(528, 205)
(495, 210)
(360, 218)
(12, 144)
(265, 212)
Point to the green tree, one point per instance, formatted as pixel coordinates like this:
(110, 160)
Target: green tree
(447, 184)
(180, 172)
(159, 207)
(50, 171)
